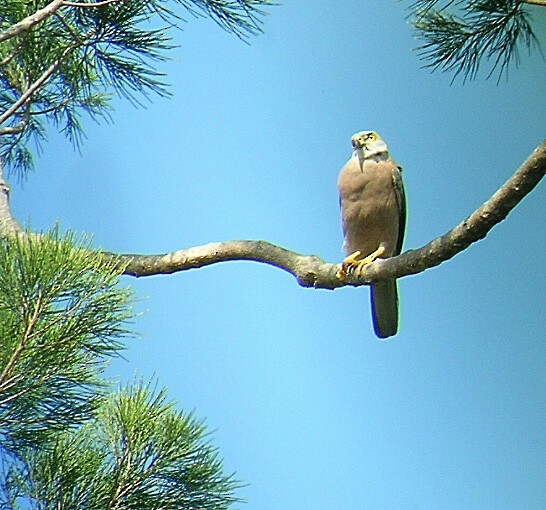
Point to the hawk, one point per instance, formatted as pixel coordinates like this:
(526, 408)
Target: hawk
(373, 214)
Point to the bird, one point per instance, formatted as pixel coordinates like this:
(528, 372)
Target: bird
(373, 216)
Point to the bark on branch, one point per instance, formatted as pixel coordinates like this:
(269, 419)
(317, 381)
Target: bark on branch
(41, 14)
(310, 270)
(35, 86)
(30, 21)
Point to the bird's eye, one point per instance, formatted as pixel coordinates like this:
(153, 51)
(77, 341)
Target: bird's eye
(371, 137)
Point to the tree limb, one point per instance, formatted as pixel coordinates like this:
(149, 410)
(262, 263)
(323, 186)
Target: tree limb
(36, 85)
(91, 5)
(8, 225)
(31, 20)
(310, 270)
(41, 14)
(14, 130)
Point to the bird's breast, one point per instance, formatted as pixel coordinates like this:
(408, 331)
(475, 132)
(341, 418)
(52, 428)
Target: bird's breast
(369, 208)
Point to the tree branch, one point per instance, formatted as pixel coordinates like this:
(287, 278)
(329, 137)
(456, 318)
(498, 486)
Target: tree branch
(31, 20)
(310, 270)
(8, 225)
(31, 324)
(14, 130)
(36, 85)
(41, 14)
(91, 5)
(536, 2)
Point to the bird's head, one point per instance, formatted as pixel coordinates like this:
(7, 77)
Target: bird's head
(368, 144)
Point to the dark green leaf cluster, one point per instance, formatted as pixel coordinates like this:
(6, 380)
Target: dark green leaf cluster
(138, 453)
(62, 315)
(459, 36)
(76, 58)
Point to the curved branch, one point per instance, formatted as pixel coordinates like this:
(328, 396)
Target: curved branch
(8, 224)
(311, 271)
(36, 85)
(91, 5)
(31, 20)
(41, 14)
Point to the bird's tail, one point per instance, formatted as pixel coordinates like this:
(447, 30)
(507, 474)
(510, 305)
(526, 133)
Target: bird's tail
(384, 297)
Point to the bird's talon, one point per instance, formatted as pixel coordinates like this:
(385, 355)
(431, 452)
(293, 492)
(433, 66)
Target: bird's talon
(351, 264)
(341, 274)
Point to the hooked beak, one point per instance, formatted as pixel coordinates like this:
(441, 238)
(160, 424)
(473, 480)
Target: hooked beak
(359, 148)
(357, 144)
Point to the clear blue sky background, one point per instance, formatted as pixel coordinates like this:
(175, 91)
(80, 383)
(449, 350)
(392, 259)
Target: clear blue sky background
(305, 404)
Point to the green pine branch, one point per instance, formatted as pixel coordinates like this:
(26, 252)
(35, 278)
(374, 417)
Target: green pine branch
(461, 36)
(64, 441)
(63, 59)
(61, 317)
(137, 452)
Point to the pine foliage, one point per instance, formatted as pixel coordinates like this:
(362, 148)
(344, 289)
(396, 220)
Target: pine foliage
(59, 61)
(66, 440)
(461, 36)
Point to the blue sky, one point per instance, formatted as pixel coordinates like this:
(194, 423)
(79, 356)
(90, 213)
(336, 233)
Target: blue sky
(305, 404)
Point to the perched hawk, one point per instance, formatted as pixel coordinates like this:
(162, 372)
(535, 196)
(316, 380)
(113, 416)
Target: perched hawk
(373, 212)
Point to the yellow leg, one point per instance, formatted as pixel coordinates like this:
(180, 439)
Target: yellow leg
(351, 264)
(359, 265)
(346, 265)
